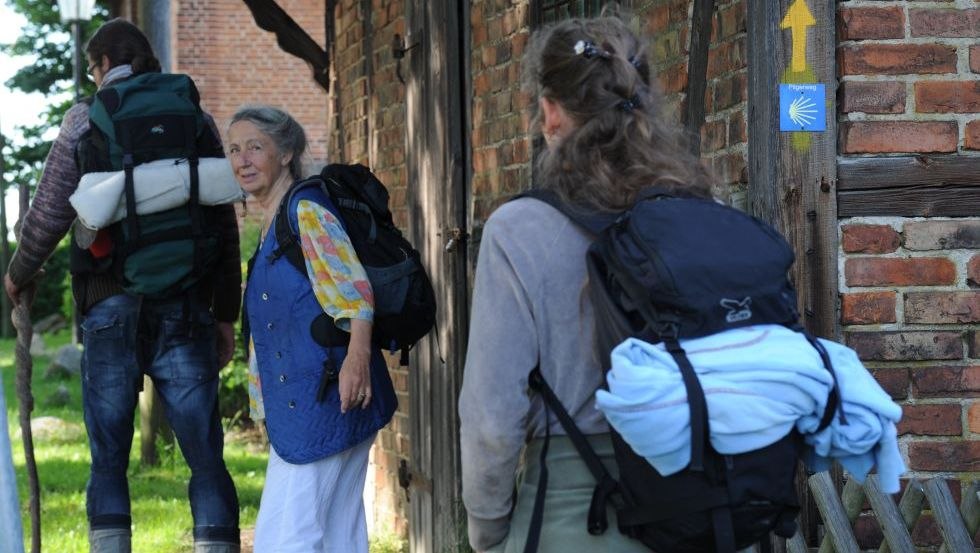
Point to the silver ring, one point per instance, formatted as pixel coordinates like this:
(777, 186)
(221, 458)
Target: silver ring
(362, 395)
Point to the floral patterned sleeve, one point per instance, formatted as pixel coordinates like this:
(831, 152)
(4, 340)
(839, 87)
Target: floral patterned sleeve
(339, 281)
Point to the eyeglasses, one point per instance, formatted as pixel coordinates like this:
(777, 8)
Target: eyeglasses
(89, 70)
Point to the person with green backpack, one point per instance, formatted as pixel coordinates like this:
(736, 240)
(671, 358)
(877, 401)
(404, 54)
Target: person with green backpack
(157, 293)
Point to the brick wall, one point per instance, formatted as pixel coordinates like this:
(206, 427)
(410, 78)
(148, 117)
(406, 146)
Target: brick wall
(501, 112)
(910, 304)
(369, 128)
(233, 62)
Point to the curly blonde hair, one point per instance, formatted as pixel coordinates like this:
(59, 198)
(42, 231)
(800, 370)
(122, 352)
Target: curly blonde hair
(597, 70)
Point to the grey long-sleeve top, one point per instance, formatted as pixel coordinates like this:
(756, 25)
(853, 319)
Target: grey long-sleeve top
(529, 304)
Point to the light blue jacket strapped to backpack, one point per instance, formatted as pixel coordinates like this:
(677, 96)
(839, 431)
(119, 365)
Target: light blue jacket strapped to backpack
(281, 309)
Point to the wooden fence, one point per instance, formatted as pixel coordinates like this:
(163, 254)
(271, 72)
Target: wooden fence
(957, 526)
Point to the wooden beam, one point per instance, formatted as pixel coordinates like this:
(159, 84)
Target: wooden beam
(910, 202)
(697, 71)
(909, 186)
(870, 173)
(835, 519)
(792, 176)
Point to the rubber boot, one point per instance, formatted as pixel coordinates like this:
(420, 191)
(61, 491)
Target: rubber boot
(207, 546)
(110, 540)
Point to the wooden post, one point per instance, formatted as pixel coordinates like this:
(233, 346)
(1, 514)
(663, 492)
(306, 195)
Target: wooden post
(889, 518)
(836, 521)
(910, 506)
(436, 158)
(852, 500)
(947, 516)
(792, 176)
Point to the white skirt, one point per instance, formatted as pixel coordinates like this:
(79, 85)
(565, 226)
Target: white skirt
(316, 507)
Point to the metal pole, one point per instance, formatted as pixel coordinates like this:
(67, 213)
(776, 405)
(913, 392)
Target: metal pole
(79, 68)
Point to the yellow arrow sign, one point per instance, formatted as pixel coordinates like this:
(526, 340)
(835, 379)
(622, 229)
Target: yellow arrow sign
(797, 19)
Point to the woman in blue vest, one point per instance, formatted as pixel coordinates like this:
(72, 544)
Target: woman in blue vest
(323, 394)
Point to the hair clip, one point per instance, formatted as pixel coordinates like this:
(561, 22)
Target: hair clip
(629, 104)
(588, 49)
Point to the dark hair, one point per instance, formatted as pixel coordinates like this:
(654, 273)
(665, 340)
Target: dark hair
(286, 133)
(597, 70)
(123, 43)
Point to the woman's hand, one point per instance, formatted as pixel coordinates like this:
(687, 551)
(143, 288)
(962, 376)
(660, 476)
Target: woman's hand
(355, 372)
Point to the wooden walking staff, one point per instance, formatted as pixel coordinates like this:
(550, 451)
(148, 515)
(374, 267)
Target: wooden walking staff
(25, 369)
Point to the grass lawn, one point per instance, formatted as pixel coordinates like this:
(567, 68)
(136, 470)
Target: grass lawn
(161, 515)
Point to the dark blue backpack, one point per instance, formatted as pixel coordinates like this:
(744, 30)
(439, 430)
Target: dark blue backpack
(667, 269)
(404, 301)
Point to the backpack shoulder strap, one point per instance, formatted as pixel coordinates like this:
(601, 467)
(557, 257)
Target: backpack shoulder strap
(592, 222)
(286, 227)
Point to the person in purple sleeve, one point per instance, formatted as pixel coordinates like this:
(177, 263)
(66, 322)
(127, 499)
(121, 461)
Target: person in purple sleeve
(181, 341)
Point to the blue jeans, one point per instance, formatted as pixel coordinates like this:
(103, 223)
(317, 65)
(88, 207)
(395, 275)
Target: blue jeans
(174, 345)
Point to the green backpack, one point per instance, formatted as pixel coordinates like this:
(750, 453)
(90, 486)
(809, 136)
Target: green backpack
(144, 118)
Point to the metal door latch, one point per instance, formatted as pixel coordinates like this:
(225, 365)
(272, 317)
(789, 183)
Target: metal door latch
(456, 236)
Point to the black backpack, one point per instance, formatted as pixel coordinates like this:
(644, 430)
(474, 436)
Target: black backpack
(144, 118)
(404, 302)
(673, 268)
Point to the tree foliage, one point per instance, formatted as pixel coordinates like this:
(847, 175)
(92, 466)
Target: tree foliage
(49, 41)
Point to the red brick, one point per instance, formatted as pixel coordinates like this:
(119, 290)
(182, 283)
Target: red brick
(906, 346)
(727, 57)
(674, 78)
(868, 308)
(858, 238)
(870, 23)
(931, 420)
(973, 271)
(942, 307)
(945, 23)
(946, 381)
(713, 136)
(975, 59)
(915, 271)
(657, 19)
(942, 235)
(896, 59)
(894, 381)
(876, 137)
(973, 417)
(945, 456)
(737, 130)
(731, 21)
(867, 532)
(971, 135)
(947, 97)
(973, 344)
(872, 97)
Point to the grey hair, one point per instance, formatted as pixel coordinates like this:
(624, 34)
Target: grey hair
(285, 132)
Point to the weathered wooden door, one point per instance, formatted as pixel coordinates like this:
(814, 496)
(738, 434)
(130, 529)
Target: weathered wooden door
(436, 155)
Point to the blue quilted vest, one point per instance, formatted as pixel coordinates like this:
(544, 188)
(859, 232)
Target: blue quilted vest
(281, 308)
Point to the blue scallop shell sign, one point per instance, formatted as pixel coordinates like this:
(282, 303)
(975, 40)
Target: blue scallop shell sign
(802, 108)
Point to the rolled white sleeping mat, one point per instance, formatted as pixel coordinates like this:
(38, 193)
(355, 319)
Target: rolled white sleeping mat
(100, 199)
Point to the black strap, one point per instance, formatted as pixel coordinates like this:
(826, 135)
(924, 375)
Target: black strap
(537, 383)
(287, 242)
(765, 544)
(696, 402)
(834, 403)
(606, 489)
(537, 515)
(721, 520)
(126, 143)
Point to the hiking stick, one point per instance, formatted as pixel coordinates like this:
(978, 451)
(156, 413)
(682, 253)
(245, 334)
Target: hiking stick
(25, 369)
